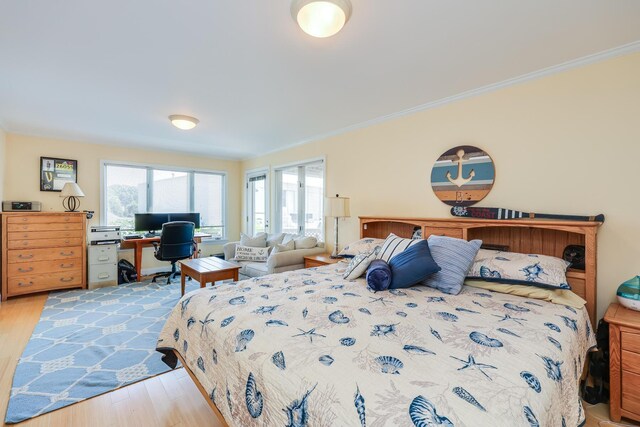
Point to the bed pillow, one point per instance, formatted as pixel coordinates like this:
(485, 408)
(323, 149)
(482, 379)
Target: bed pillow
(412, 266)
(250, 253)
(257, 241)
(454, 257)
(556, 296)
(365, 245)
(289, 246)
(308, 242)
(378, 275)
(520, 269)
(359, 264)
(393, 245)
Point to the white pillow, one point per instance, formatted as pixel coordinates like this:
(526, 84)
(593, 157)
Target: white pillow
(289, 246)
(257, 241)
(250, 253)
(359, 264)
(393, 245)
(305, 242)
(275, 239)
(361, 246)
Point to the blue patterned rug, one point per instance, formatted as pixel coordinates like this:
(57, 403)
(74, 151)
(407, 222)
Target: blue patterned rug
(91, 342)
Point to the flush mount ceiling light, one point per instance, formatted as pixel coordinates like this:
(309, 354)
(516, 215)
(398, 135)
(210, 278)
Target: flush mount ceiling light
(183, 122)
(321, 18)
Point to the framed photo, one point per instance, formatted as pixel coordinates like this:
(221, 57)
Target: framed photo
(55, 173)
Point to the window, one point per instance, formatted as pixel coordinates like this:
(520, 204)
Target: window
(131, 189)
(257, 212)
(300, 198)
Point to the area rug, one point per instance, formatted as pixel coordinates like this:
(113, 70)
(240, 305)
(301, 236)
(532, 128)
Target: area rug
(91, 342)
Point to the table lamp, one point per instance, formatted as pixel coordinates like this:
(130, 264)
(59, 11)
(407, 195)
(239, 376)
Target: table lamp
(337, 207)
(71, 193)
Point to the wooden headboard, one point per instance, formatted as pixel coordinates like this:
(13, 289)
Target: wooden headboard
(532, 236)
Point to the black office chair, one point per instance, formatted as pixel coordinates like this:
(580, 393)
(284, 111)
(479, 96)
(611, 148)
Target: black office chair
(176, 243)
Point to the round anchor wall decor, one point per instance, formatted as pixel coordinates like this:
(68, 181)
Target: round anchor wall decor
(462, 176)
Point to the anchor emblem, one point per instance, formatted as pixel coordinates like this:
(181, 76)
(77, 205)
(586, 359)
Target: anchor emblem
(459, 180)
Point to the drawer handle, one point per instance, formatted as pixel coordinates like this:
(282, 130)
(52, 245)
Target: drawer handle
(66, 265)
(67, 241)
(25, 256)
(103, 258)
(24, 285)
(67, 219)
(67, 253)
(103, 275)
(25, 270)
(24, 219)
(68, 279)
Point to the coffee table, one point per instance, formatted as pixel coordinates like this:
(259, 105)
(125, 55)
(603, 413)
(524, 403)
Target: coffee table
(206, 270)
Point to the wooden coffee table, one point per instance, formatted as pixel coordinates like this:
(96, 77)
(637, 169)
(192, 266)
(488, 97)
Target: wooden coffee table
(206, 270)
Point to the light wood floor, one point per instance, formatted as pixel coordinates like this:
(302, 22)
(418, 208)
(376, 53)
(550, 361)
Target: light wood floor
(171, 399)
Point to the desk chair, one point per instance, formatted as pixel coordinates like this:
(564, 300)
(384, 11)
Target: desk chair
(176, 243)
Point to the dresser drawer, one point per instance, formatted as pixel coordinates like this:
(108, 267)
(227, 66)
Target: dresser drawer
(26, 244)
(30, 255)
(631, 392)
(443, 231)
(631, 342)
(43, 219)
(107, 254)
(43, 267)
(44, 282)
(11, 228)
(43, 235)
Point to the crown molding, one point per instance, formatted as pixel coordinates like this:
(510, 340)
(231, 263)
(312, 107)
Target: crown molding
(625, 49)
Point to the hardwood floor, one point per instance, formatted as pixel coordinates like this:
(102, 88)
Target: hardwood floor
(171, 399)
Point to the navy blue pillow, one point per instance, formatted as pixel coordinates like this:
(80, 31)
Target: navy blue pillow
(378, 275)
(412, 265)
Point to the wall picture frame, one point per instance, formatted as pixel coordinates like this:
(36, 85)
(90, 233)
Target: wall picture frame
(56, 172)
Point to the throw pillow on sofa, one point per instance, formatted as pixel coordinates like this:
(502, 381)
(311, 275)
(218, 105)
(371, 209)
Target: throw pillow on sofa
(257, 241)
(285, 247)
(275, 239)
(250, 253)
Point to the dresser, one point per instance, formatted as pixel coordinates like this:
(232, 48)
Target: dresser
(42, 251)
(624, 362)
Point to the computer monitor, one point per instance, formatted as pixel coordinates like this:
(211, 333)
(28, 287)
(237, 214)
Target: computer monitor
(150, 222)
(191, 217)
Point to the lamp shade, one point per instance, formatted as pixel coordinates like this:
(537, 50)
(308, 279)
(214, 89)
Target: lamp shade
(337, 207)
(71, 189)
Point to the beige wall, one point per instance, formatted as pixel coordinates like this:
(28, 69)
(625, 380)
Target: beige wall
(22, 176)
(3, 157)
(567, 143)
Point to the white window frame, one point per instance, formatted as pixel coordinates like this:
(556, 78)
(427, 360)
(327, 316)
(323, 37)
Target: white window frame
(150, 168)
(249, 200)
(301, 192)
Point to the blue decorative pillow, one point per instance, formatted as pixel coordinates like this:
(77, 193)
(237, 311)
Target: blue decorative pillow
(379, 275)
(520, 269)
(412, 266)
(455, 257)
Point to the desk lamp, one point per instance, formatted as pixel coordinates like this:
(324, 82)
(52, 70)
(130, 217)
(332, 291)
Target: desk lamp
(71, 193)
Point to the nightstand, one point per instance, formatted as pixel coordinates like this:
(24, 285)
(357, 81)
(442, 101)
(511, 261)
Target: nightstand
(624, 362)
(320, 260)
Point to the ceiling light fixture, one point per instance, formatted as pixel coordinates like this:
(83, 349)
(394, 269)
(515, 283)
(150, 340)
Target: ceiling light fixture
(183, 122)
(321, 18)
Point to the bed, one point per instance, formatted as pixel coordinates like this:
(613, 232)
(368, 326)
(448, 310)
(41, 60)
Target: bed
(309, 348)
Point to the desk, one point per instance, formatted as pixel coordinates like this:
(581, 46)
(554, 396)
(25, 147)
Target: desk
(138, 244)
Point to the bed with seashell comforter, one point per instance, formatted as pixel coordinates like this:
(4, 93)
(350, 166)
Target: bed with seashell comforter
(308, 348)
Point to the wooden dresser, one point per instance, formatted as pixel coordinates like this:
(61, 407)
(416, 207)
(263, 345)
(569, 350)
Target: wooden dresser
(42, 251)
(624, 362)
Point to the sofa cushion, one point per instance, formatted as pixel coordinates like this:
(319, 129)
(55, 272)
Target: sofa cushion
(254, 269)
(257, 241)
(289, 246)
(275, 239)
(306, 242)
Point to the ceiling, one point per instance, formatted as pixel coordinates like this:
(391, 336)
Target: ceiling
(112, 71)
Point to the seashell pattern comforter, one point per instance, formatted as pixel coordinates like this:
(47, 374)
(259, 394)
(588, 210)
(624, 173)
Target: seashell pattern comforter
(308, 348)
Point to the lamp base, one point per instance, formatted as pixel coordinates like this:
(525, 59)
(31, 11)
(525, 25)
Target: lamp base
(71, 204)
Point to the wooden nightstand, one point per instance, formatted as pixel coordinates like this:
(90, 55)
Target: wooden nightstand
(624, 362)
(320, 260)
